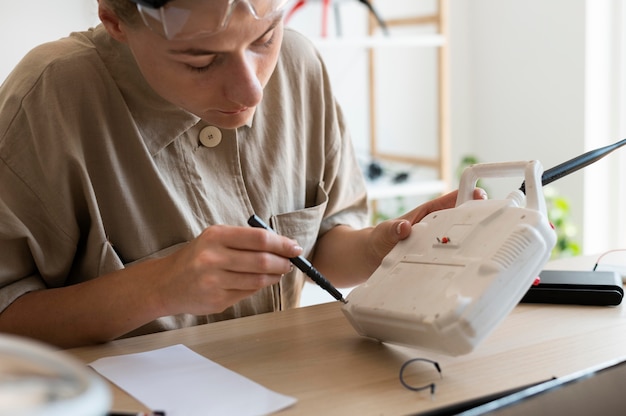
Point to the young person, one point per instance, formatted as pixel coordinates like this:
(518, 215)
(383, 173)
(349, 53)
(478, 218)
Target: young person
(132, 155)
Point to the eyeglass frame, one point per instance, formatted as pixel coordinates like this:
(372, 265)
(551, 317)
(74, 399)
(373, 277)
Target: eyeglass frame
(232, 4)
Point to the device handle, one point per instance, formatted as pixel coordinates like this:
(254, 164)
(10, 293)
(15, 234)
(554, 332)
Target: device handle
(532, 171)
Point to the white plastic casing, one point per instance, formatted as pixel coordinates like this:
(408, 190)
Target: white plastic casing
(461, 271)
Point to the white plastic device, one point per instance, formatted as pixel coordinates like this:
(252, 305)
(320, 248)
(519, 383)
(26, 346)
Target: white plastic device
(461, 271)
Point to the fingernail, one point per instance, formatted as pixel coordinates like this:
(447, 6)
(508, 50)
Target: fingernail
(298, 248)
(399, 227)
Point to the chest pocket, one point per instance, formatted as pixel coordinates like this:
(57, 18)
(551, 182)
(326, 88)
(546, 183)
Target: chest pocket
(303, 225)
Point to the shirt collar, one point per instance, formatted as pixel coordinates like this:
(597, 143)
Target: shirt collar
(159, 122)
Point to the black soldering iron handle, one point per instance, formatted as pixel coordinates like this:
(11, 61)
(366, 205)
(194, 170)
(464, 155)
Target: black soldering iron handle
(302, 264)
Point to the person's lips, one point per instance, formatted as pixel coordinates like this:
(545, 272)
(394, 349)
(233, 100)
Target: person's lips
(234, 112)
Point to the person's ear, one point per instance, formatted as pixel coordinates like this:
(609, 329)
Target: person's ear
(111, 22)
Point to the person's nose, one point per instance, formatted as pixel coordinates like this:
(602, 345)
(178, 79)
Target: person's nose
(243, 86)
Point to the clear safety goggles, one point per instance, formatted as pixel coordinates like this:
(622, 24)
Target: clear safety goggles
(185, 19)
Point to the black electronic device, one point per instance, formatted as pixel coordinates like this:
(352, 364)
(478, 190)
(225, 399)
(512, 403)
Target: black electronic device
(597, 288)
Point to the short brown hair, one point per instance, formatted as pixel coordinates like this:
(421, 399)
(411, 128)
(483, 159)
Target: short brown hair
(126, 10)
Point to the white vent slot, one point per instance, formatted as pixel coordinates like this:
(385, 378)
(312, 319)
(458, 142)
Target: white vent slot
(511, 249)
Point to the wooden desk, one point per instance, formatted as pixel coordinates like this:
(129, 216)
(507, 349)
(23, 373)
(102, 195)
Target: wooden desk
(315, 355)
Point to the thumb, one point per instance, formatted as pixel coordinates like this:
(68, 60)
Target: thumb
(402, 229)
(388, 233)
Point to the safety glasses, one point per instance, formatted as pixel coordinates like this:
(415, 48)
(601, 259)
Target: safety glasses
(185, 19)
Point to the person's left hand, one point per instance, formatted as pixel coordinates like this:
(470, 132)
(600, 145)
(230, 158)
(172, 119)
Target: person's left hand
(386, 235)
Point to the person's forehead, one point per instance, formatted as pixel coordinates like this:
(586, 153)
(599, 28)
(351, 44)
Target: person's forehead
(200, 16)
(215, 9)
(242, 31)
(205, 7)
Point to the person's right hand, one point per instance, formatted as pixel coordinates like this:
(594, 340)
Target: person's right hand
(220, 267)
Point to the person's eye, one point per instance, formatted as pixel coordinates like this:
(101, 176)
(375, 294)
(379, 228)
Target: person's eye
(267, 39)
(195, 68)
(202, 65)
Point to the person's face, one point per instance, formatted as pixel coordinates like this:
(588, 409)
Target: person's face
(219, 78)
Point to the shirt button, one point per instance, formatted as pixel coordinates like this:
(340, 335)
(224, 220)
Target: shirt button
(210, 136)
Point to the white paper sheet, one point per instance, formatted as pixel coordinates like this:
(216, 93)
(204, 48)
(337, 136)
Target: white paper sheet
(183, 383)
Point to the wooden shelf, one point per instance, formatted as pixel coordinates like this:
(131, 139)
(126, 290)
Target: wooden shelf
(440, 163)
(406, 31)
(386, 189)
(372, 42)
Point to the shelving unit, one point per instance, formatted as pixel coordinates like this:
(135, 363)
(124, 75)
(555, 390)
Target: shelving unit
(436, 179)
(440, 163)
(376, 41)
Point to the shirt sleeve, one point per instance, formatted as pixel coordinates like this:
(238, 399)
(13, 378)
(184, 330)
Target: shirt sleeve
(344, 183)
(347, 196)
(35, 251)
(18, 271)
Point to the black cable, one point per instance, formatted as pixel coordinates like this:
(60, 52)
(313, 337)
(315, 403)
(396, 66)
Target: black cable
(338, 25)
(595, 266)
(430, 386)
(379, 19)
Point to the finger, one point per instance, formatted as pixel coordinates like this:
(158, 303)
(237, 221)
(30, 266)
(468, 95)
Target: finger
(480, 193)
(258, 262)
(387, 234)
(216, 258)
(252, 239)
(443, 202)
(234, 287)
(248, 282)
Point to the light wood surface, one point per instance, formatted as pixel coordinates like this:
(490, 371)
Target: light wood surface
(314, 354)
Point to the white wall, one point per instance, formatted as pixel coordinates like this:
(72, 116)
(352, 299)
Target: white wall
(604, 202)
(541, 79)
(25, 24)
(520, 75)
(522, 79)
(536, 79)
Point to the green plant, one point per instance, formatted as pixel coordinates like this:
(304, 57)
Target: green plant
(398, 208)
(559, 212)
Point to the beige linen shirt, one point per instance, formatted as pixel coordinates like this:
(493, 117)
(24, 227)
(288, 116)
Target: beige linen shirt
(97, 171)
